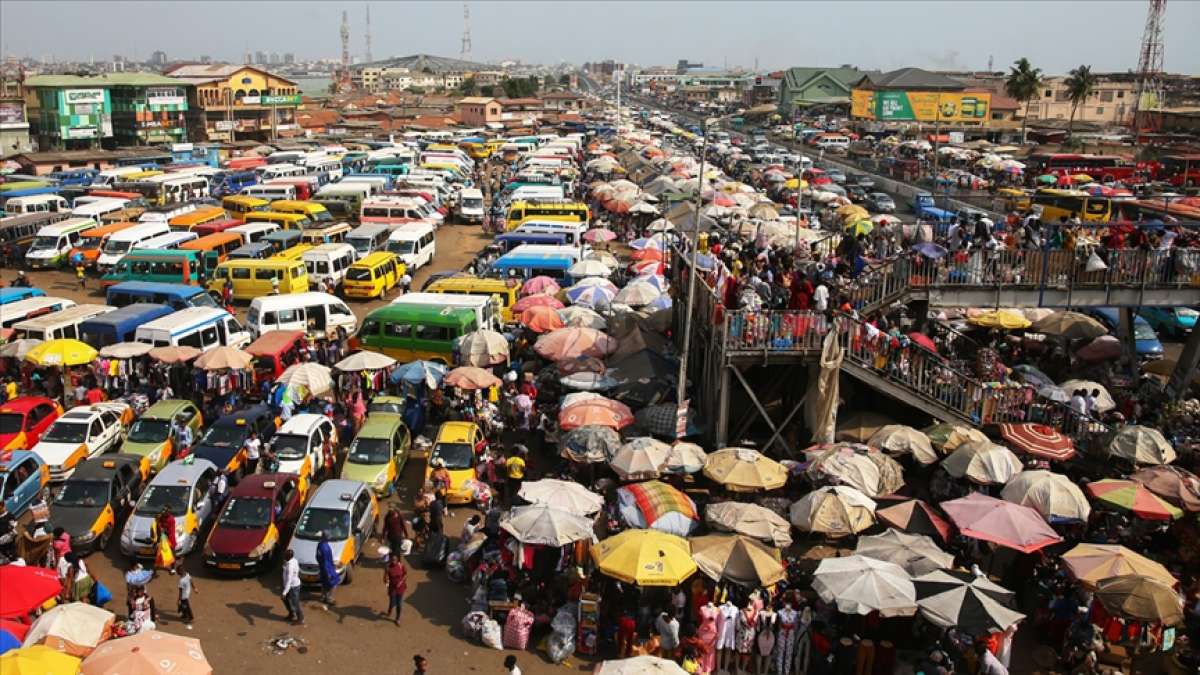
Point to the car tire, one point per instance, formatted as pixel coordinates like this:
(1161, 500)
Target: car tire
(103, 539)
(347, 575)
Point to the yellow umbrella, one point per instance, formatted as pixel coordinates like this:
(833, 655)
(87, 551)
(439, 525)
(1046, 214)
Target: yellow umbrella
(645, 558)
(795, 184)
(61, 352)
(1093, 563)
(1082, 178)
(1001, 318)
(745, 470)
(38, 660)
(852, 212)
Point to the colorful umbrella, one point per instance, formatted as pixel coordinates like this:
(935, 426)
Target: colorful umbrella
(646, 242)
(751, 520)
(1178, 486)
(148, 652)
(654, 504)
(835, 511)
(1137, 597)
(1093, 563)
(745, 470)
(916, 553)
(966, 601)
(599, 411)
(1000, 318)
(590, 296)
(429, 373)
(573, 342)
(314, 377)
(471, 378)
(916, 517)
(75, 628)
(1038, 440)
(538, 300)
(565, 495)
(1054, 496)
(645, 558)
(8, 640)
(861, 585)
(546, 525)
(61, 352)
(984, 463)
(483, 347)
(1141, 445)
(590, 443)
(172, 355)
(1004, 523)
(654, 254)
(540, 284)
(541, 319)
(26, 589)
(38, 660)
(739, 559)
(1132, 496)
(599, 234)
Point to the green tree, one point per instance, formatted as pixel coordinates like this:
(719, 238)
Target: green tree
(564, 79)
(468, 88)
(1080, 84)
(487, 90)
(1023, 83)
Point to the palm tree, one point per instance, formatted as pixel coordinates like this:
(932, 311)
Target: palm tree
(1022, 85)
(1080, 84)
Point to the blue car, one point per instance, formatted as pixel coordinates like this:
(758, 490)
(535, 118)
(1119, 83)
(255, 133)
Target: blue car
(1145, 339)
(1175, 322)
(22, 477)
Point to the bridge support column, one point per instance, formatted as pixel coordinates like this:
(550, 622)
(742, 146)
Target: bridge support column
(722, 398)
(1128, 341)
(1185, 369)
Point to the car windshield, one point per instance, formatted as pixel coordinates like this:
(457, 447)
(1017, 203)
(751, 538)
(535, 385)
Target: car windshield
(10, 423)
(335, 524)
(370, 451)
(401, 247)
(65, 432)
(472, 203)
(83, 493)
(247, 512)
(173, 497)
(224, 435)
(149, 431)
(44, 244)
(88, 243)
(455, 455)
(1143, 331)
(289, 446)
(361, 245)
(116, 246)
(385, 407)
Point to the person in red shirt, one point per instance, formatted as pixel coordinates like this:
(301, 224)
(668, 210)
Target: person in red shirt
(626, 635)
(94, 395)
(395, 579)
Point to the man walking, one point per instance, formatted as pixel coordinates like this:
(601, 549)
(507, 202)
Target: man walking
(291, 588)
(327, 569)
(395, 579)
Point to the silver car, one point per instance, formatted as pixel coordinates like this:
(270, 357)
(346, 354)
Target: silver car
(183, 487)
(345, 511)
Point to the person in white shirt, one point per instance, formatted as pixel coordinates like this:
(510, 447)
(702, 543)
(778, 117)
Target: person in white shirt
(1092, 399)
(821, 297)
(291, 588)
(988, 663)
(1078, 403)
(253, 450)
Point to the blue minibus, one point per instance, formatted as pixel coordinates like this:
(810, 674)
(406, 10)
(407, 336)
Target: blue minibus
(176, 296)
(120, 325)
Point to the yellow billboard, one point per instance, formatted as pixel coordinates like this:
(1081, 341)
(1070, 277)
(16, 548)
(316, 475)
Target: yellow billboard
(921, 106)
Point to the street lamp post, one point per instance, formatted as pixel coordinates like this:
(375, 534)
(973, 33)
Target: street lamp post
(681, 386)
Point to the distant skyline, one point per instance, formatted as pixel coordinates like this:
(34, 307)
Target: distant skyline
(1055, 36)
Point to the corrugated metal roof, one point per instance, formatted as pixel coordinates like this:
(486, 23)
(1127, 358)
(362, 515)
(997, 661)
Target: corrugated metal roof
(105, 80)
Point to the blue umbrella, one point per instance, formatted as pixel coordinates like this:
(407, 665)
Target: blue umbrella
(646, 242)
(8, 641)
(930, 250)
(589, 296)
(416, 372)
(661, 302)
(659, 283)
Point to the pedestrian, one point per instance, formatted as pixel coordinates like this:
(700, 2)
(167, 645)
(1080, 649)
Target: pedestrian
(183, 437)
(328, 570)
(79, 274)
(395, 528)
(515, 467)
(395, 579)
(405, 283)
(253, 452)
(291, 588)
(420, 665)
(510, 665)
(275, 286)
(668, 634)
(186, 588)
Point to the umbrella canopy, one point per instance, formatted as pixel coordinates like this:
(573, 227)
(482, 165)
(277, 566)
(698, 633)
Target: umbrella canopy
(312, 376)
(645, 558)
(589, 268)
(429, 373)
(19, 349)
(1001, 318)
(363, 361)
(38, 660)
(859, 426)
(962, 600)
(538, 300)
(170, 355)
(75, 628)
(590, 443)
(540, 284)
(541, 319)
(1103, 348)
(1132, 496)
(25, 589)
(835, 511)
(916, 517)
(745, 470)
(636, 294)
(739, 559)
(546, 525)
(573, 342)
(861, 585)
(640, 458)
(1070, 325)
(61, 352)
(898, 439)
(639, 665)
(984, 463)
(654, 504)
(126, 350)
(1038, 440)
(1141, 445)
(860, 466)
(1004, 523)
(946, 437)
(483, 347)
(599, 234)
(471, 378)
(1093, 563)
(582, 317)
(1178, 486)
(917, 554)
(8, 639)
(148, 652)
(685, 458)
(1053, 495)
(225, 357)
(591, 296)
(598, 411)
(751, 520)
(1137, 597)
(587, 381)
(564, 495)
(1104, 402)
(1032, 376)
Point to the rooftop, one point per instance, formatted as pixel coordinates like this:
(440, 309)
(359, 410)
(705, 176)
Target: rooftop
(104, 80)
(197, 72)
(910, 78)
(420, 62)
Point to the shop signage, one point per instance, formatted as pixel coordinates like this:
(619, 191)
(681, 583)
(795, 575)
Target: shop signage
(76, 96)
(163, 96)
(291, 99)
(82, 132)
(251, 100)
(224, 125)
(12, 114)
(920, 106)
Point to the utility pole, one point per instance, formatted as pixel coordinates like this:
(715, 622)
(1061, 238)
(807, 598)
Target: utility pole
(343, 84)
(370, 57)
(464, 52)
(681, 386)
(1148, 102)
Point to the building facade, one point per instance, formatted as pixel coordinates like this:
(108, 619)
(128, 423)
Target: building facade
(1112, 102)
(14, 122)
(150, 110)
(477, 111)
(238, 102)
(801, 88)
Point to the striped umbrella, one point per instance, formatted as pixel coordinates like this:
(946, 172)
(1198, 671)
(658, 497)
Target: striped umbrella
(1132, 496)
(1038, 440)
(958, 599)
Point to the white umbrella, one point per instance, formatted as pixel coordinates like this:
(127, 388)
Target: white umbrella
(364, 361)
(608, 259)
(898, 439)
(983, 462)
(639, 665)
(644, 208)
(640, 458)
(483, 347)
(685, 458)
(564, 495)
(636, 294)
(589, 268)
(960, 599)
(836, 511)
(1053, 495)
(1104, 402)
(916, 553)
(313, 376)
(124, 350)
(1141, 445)
(861, 585)
(751, 520)
(17, 349)
(546, 525)
(583, 317)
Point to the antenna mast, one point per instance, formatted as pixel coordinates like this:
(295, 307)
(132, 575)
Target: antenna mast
(465, 51)
(370, 58)
(1149, 101)
(344, 76)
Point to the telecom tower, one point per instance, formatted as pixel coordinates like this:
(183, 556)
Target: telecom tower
(1150, 93)
(370, 58)
(343, 83)
(465, 52)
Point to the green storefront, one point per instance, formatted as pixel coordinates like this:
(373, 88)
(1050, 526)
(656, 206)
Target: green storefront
(78, 112)
(71, 117)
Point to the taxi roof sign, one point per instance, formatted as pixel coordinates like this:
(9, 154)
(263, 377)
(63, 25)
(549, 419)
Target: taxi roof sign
(345, 496)
(268, 484)
(108, 464)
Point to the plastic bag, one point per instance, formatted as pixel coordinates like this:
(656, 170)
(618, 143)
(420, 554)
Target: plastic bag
(472, 624)
(491, 635)
(455, 570)
(564, 621)
(559, 647)
(1095, 263)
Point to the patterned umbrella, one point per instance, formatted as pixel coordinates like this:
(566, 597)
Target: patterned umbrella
(685, 458)
(599, 234)
(540, 284)
(861, 585)
(590, 443)
(1178, 486)
(590, 296)
(314, 377)
(600, 411)
(1038, 440)
(645, 558)
(962, 600)
(1132, 496)
(148, 652)
(483, 347)
(656, 505)
(640, 458)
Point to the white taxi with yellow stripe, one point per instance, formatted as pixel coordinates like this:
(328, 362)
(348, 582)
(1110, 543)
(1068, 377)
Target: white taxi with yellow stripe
(301, 444)
(83, 431)
(345, 512)
(183, 487)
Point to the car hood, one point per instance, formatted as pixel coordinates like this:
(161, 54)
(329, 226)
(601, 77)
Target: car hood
(217, 454)
(367, 473)
(55, 453)
(306, 550)
(76, 520)
(236, 540)
(142, 449)
(139, 526)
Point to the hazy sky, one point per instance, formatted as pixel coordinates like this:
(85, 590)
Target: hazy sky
(1056, 36)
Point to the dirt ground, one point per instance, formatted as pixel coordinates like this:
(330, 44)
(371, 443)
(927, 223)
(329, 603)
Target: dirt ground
(236, 617)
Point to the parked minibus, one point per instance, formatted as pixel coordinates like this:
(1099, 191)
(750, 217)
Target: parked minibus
(201, 327)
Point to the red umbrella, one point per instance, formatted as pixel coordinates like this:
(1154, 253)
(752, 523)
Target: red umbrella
(647, 254)
(1133, 497)
(538, 300)
(17, 628)
(599, 411)
(1178, 486)
(923, 340)
(24, 589)
(541, 319)
(1038, 440)
(722, 199)
(916, 517)
(647, 267)
(1001, 522)
(540, 284)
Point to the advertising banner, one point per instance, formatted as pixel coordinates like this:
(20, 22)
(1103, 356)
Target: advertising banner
(921, 106)
(250, 100)
(292, 99)
(12, 113)
(163, 96)
(81, 132)
(74, 96)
